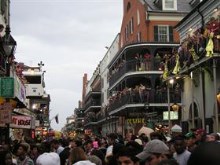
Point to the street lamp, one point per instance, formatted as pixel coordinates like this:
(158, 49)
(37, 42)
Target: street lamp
(9, 44)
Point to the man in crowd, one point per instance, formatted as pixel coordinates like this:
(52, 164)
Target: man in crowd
(154, 152)
(182, 154)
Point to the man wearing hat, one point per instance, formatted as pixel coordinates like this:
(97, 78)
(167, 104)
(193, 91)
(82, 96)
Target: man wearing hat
(154, 151)
(22, 153)
(176, 130)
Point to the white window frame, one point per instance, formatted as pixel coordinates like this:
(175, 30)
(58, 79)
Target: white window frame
(138, 17)
(131, 26)
(170, 8)
(161, 36)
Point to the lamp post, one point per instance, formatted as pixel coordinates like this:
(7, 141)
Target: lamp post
(215, 93)
(170, 82)
(192, 95)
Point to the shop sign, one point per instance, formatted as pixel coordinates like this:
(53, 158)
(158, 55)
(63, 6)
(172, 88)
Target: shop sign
(5, 116)
(135, 121)
(7, 87)
(21, 122)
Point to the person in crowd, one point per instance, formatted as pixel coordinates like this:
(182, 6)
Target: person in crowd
(190, 141)
(212, 137)
(126, 156)
(6, 158)
(22, 153)
(111, 139)
(205, 153)
(34, 152)
(51, 158)
(144, 139)
(78, 157)
(176, 130)
(154, 152)
(99, 154)
(95, 159)
(88, 147)
(157, 135)
(56, 146)
(103, 145)
(181, 154)
(200, 136)
(66, 152)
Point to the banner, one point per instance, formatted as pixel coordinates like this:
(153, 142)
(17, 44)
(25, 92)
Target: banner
(21, 122)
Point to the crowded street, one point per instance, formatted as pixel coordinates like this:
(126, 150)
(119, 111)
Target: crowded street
(120, 82)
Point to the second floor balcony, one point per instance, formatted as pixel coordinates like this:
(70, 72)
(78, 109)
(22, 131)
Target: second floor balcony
(158, 96)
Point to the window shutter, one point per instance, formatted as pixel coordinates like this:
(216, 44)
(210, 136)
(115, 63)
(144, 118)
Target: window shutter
(170, 34)
(156, 33)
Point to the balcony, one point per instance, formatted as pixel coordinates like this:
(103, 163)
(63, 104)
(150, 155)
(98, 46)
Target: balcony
(92, 105)
(134, 98)
(133, 66)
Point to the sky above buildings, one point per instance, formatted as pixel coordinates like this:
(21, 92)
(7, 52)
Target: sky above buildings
(69, 37)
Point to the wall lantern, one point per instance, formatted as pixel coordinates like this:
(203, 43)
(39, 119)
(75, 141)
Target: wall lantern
(175, 107)
(218, 97)
(9, 44)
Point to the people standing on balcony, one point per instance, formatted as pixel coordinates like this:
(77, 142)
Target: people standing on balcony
(136, 97)
(137, 62)
(141, 91)
(147, 62)
(159, 94)
(157, 61)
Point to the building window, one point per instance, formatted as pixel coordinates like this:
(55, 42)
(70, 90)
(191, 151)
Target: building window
(138, 17)
(128, 6)
(169, 4)
(139, 37)
(163, 33)
(131, 26)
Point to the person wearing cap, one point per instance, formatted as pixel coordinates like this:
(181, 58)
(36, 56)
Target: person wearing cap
(200, 136)
(176, 130)
(22, 153)
(154, 152)
(51, 158)
(190, 141)
(212, 137)
(182, 154)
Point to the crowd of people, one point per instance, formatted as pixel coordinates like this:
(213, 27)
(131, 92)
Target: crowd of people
(194, 148)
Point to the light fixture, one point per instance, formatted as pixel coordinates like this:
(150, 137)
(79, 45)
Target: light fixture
(218, 97)
(175, 107)
(9, 44)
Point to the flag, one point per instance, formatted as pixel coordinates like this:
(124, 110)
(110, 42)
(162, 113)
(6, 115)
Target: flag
(56, 119)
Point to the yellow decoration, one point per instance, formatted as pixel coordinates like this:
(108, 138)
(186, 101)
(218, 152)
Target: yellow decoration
(210, 45)
(177, 66)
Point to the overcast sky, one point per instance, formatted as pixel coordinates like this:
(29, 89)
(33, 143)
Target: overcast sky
(69, 36)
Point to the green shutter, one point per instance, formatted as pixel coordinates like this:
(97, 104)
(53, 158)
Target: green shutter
(7, 87)
(170, 34)
(156, 33)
